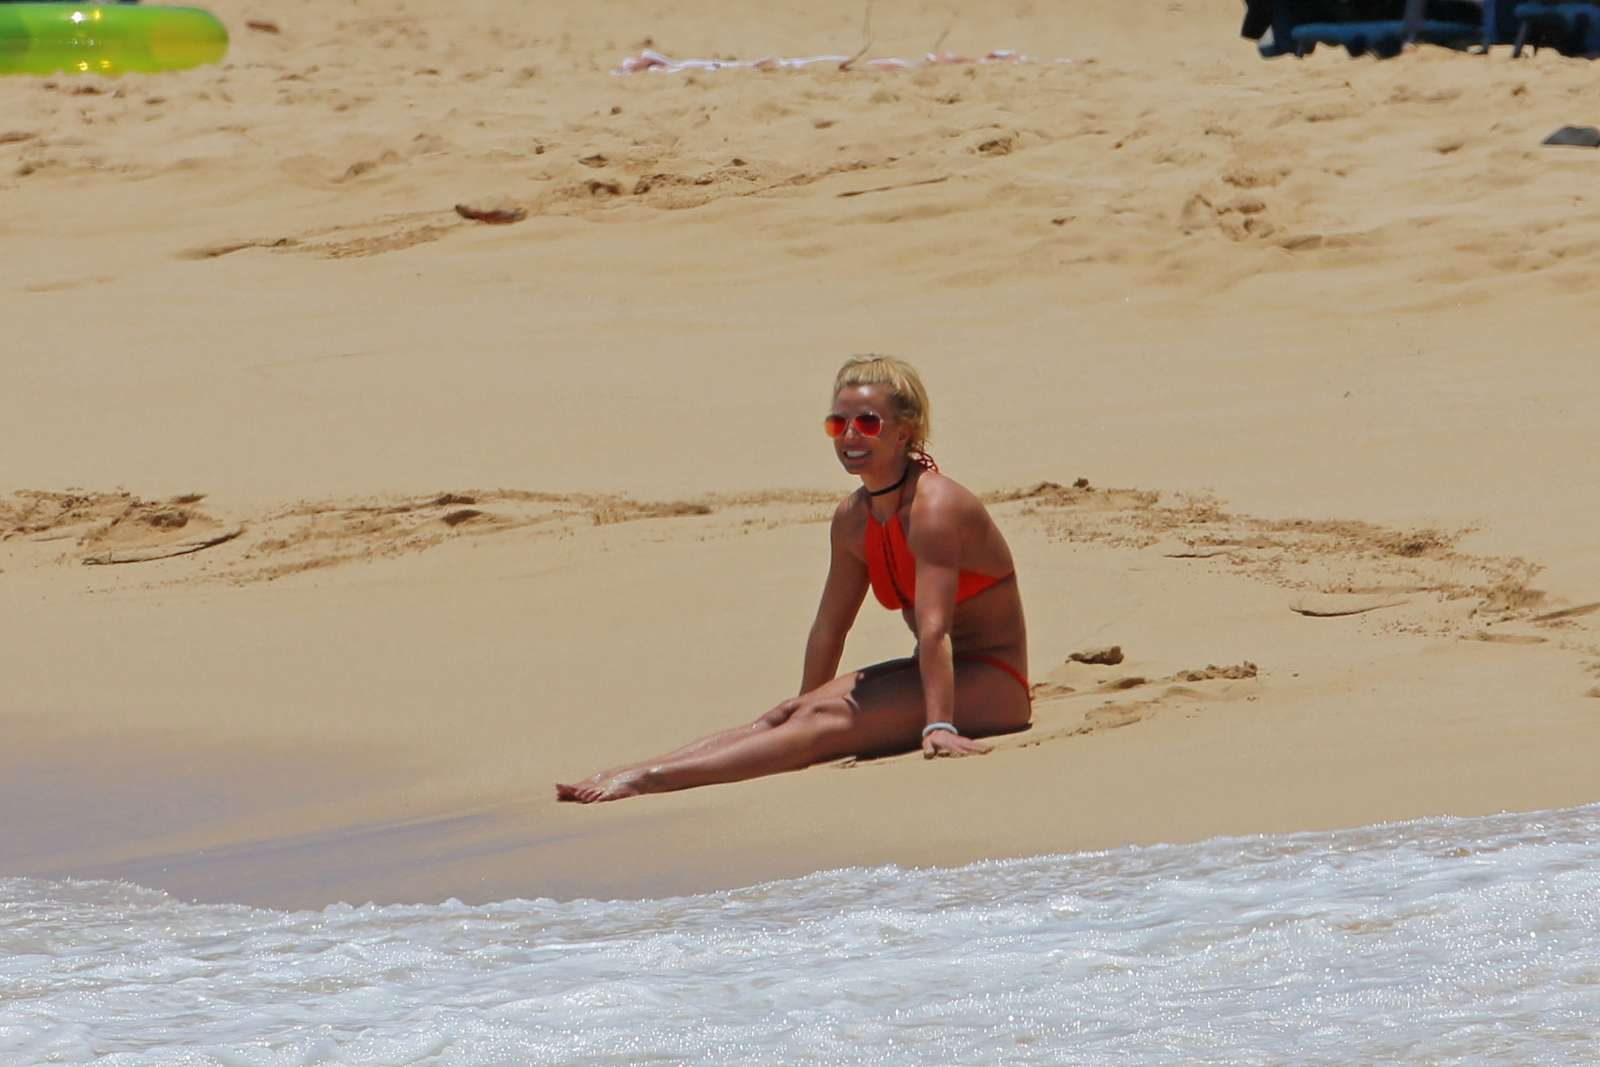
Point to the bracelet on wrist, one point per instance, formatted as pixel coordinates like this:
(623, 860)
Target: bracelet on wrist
(935, 727)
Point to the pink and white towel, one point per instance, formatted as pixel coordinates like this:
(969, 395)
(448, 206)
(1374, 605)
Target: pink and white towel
(649, 60)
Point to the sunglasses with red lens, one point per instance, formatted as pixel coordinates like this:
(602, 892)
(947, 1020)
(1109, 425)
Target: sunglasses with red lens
(868, 424)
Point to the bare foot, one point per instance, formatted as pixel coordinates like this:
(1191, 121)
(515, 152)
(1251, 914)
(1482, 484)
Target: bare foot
(632, 782)
(590, 786)
(571, 793)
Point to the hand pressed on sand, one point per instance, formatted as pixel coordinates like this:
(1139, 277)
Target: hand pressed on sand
(942, 743)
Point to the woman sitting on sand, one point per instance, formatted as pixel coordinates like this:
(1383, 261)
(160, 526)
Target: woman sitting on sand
(924, 545)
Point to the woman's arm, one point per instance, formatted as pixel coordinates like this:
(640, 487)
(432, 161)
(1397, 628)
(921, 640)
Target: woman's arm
(936, 542)
(842, 595)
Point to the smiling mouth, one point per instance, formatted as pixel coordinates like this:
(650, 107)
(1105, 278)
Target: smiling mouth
(851, 454)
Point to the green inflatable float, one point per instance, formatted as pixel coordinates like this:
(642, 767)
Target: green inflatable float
(109, 39)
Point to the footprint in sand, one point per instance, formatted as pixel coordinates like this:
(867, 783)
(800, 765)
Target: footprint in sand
(1114, 716)
(1334, 605)
(114, 527)
(227, 248)
(165, 550)
(1504, 639)
(1056, 705)
(146, 530)
(1568, 613)
(1049, 691)
(1118, 684)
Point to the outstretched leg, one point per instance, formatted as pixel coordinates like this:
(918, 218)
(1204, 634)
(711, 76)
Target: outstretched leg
(701, 746)
(589, 789)
(881, 713)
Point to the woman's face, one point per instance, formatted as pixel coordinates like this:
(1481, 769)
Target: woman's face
(865, 456)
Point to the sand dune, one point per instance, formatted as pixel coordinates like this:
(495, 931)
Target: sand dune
(397, 515)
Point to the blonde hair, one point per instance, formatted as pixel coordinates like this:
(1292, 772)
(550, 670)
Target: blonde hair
(906, 391)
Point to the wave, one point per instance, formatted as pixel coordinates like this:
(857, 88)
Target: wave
(1439, 941)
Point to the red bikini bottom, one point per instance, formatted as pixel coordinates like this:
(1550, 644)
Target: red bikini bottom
(996, 661)
(973, 657)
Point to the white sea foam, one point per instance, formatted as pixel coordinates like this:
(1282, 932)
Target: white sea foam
(1447, 941)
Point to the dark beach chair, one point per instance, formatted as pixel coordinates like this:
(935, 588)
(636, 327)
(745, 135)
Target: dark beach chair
(1573, 29)
(1386, 38)
(1271, 23)
(1382, 27)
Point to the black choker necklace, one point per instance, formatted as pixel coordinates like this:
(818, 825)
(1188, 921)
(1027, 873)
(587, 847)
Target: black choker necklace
(903, 476)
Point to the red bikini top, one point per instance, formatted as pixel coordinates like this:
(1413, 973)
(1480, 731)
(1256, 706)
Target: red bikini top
(893, 569)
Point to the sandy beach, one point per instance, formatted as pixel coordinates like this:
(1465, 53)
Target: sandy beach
(335, 526)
